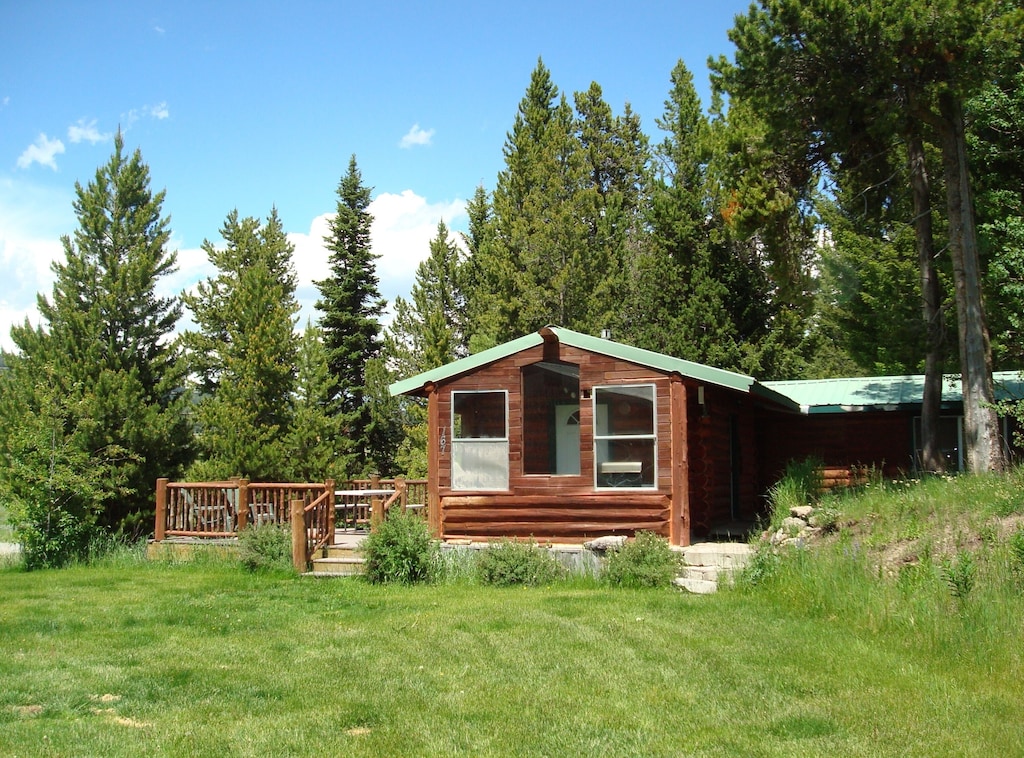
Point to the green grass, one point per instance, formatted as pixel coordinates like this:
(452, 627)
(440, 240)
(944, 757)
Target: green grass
(884, 639)
(205, 659)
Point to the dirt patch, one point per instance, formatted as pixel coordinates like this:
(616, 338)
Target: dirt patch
(28, 711)
(939, 541)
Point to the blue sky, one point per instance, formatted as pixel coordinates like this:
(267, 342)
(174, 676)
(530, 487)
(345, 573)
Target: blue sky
(248, 106)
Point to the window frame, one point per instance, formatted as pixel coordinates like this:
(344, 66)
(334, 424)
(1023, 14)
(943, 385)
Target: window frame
(478, 442)
(652, 436)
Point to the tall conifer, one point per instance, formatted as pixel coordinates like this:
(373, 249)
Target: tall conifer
(352, 306)
(244, 351)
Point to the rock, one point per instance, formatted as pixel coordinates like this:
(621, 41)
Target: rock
(793, 525)
(801, 511)
(601, 544)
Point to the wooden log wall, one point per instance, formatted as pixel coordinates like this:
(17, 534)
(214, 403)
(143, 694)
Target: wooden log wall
(882, 440)
(723, 459)
(567, 518)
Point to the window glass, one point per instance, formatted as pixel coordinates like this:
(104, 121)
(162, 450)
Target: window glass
(479, 440)
(551, 418)
(625, 444)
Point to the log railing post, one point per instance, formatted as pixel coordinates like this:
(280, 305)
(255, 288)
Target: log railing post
(299, 557)
(329, 485)
(403, 498)
(376, 504)
(243, 505)
(160, 528)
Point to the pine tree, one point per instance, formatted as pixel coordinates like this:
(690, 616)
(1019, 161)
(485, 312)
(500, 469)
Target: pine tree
(243, 352)
(104, 348)
(429, 329)
(820, 67)
(352, 306)
(314, 437)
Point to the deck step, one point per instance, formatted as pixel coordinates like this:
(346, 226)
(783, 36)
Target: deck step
(340, 566)
(707, 564)
(696, 586)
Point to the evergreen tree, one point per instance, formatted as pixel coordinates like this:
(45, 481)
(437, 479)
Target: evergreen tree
(315, 434)
(429, 329)
(243, 352)
(829, 65)
(678, 302)
(614, 195)
(104, 346)
(352, 306)
(566, 217)
(997, 154)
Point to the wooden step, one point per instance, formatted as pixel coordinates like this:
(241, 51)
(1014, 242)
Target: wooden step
(338, 566)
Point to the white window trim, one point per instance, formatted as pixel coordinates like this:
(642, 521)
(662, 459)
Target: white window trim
(653, 436)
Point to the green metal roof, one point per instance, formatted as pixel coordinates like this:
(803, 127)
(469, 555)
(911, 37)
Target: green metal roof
(664, 363)
(883, 392)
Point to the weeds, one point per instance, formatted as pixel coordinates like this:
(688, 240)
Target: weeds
(646, 561)
(400, 550)
(265, 547)
(960, 574)
(508, 563)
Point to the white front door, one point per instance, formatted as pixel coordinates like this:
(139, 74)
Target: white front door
(567, 439)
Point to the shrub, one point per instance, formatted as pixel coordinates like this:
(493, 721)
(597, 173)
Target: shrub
(646, 561)
(508, 563)
(1017, 549)
(800, 485)
(265, 547)
(400, 549)
(763, 567)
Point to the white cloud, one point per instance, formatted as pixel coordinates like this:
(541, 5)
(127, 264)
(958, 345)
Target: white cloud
(403, 226)
(160, 111)
(416, 136)
(6, 101)
(86, 132)
(43, 151)
(32, 219)
(159, 30)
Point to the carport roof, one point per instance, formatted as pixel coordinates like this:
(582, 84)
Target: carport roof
(884, 393)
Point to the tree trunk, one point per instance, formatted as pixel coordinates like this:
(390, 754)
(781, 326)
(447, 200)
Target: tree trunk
(931, 305)
(981, 424)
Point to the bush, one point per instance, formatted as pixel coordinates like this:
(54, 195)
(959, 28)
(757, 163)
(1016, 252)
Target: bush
(508, 563)
(400, 549)
(646, 561)
(265, 547)
(800, 485)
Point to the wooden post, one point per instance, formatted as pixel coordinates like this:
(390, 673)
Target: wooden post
(679, 522)
(243, 504)
(331, 516)
(299, 557)
(433, 501)
(376, 511)
(403, 498)
(160, 529)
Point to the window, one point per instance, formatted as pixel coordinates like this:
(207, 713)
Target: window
(480, 440)
(625, 440)
(551, 418)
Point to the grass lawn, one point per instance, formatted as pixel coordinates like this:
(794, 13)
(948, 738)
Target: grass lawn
(205, 659)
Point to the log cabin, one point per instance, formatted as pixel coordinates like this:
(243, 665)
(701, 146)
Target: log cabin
(565, 437)
(561, 436)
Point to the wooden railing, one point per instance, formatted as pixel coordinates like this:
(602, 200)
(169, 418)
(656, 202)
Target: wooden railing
(314, 510)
